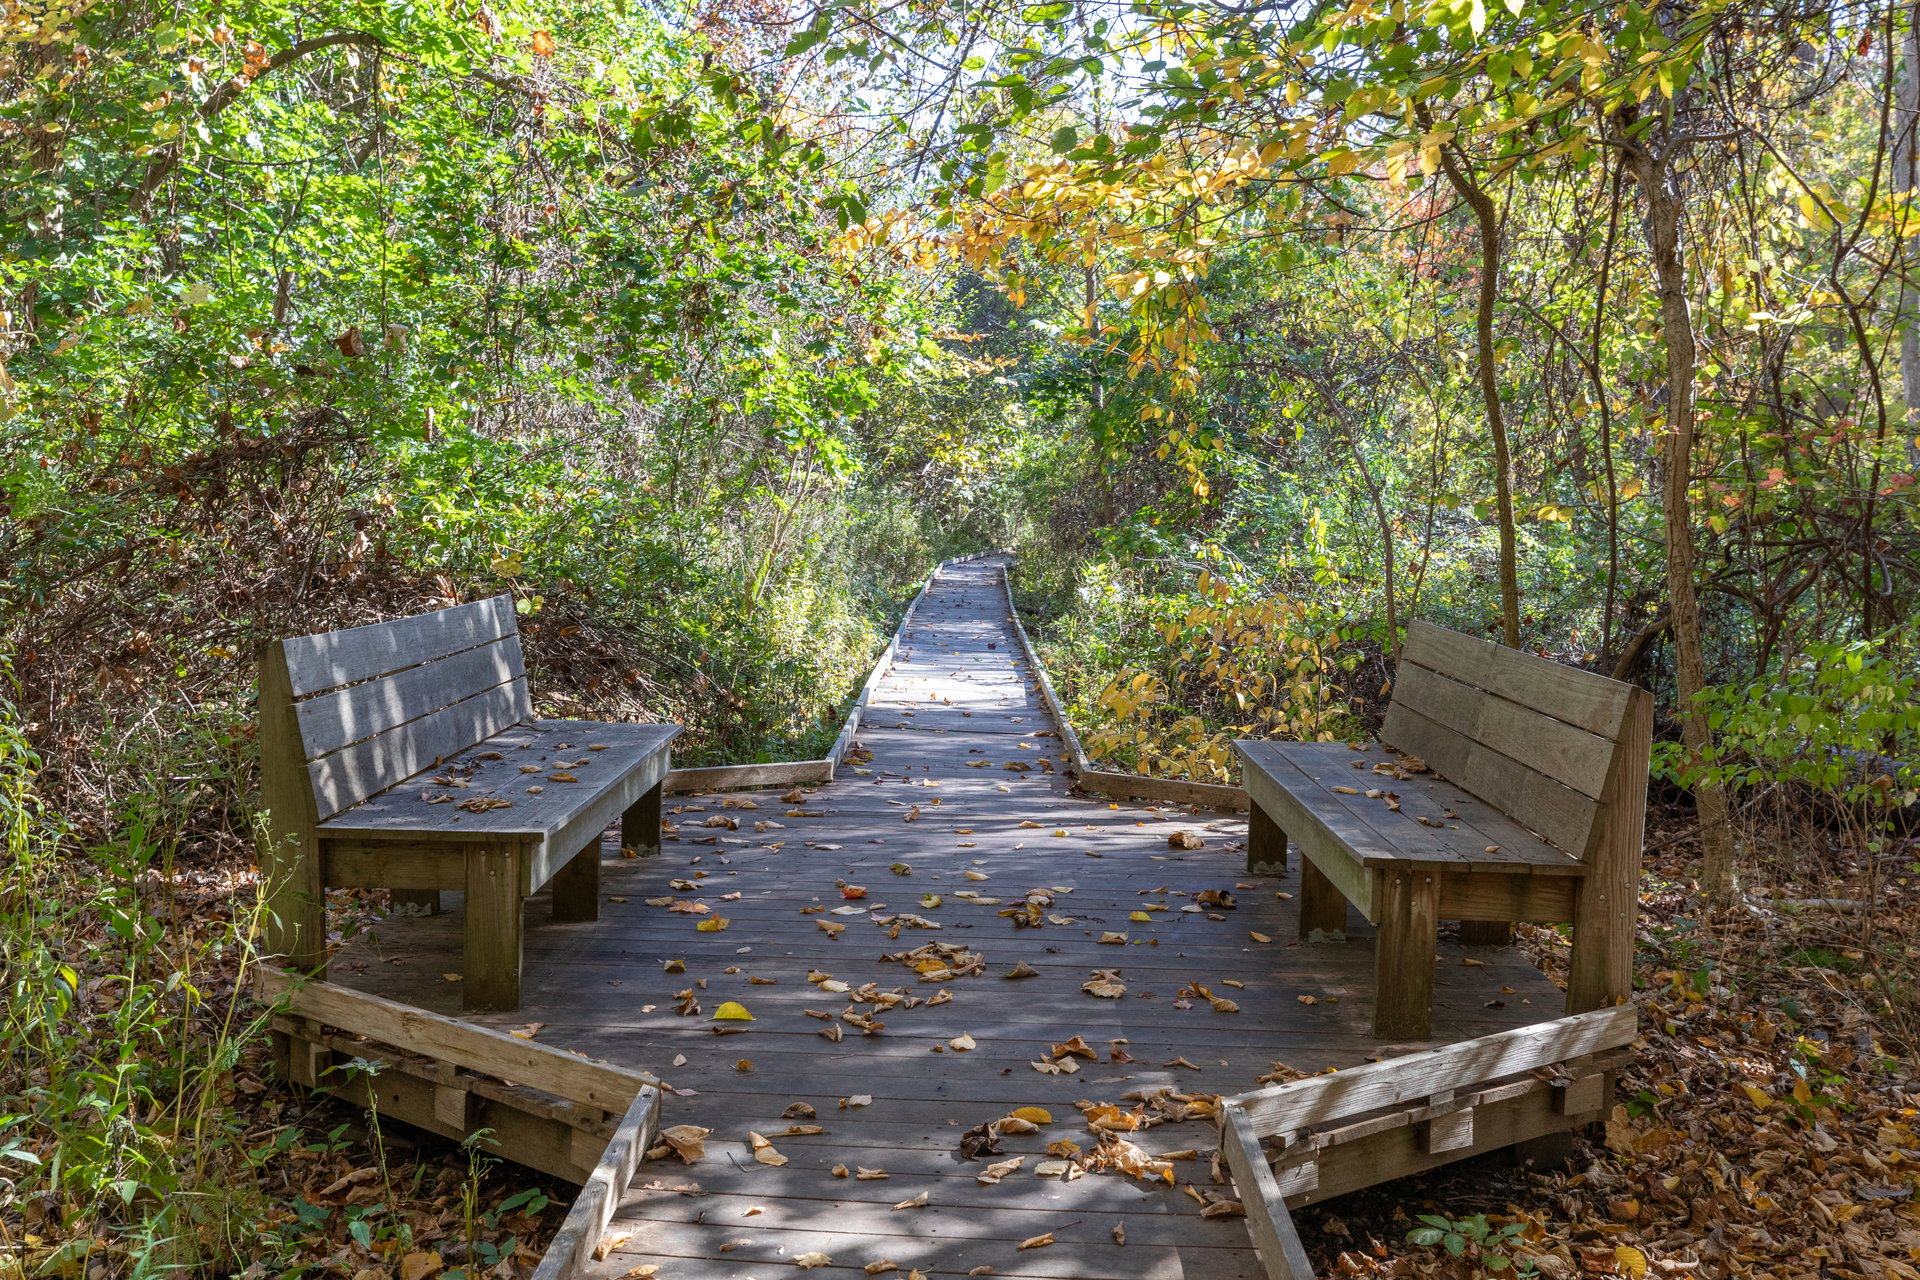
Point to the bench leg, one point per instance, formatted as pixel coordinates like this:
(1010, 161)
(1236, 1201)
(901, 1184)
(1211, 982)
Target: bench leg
(493, 932)
(1409, 903)
(1323, 908)
(1266, 844)
(1486, 933)
(413, 902)
(576, 886)
(640, 824)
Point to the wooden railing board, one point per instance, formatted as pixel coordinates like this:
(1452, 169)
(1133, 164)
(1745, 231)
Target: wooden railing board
(331, 659)
(334, 720)
(1371, 1124)
(572, 1246)
(1305, 1103)
(1580, 698)
(463, 1044)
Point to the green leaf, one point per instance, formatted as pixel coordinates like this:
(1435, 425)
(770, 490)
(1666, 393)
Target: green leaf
(1065, 139)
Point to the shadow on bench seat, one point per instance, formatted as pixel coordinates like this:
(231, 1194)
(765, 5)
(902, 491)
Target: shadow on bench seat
(403, 756)
(1510, 788)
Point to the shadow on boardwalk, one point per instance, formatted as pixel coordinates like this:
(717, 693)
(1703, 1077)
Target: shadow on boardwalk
(939, 831)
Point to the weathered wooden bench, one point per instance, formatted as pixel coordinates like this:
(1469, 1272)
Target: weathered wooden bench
(404, 756)
(1509, 788)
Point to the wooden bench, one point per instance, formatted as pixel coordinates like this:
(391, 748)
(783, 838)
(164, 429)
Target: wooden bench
(404, 756)
(1509, 788)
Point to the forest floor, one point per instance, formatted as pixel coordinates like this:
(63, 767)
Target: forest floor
(1767, 1128)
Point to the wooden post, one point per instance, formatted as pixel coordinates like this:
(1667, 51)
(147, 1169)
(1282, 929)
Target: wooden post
(414, 902)
(1486, 933)
(290, 876)
(1605, 906)
(576, 885)
(1409, 905)
(640, 824)
(1323, 908)
(1266, 844)
(493, 927)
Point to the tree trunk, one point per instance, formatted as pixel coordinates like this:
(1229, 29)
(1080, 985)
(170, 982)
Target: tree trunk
(1660, 187)
(1488, 218)
(1906, 176)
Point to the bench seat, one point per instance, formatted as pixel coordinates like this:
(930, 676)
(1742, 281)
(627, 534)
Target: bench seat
(1539, 818)
(362, 843)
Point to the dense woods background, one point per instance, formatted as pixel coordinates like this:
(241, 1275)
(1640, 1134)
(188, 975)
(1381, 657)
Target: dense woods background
(706, 330)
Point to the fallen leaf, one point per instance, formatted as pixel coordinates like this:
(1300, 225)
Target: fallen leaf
(689, 1141)
(914, 1202)
(991, 1175)
(418, 1266)
(712, 924)
(962, 1042)
(1185, 840)
(1039, 1242)
(1034, 1115)
(811, 1259)
(733, 1011)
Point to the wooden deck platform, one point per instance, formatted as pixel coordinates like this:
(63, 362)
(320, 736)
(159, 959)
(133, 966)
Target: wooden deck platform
(937, 811)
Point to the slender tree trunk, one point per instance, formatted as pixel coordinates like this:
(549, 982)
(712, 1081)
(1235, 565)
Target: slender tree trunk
(1906, 176)
(1488, 218)
(1660, 188)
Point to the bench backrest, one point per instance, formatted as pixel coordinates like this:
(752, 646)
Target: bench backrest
(1540, 741)
(376, 704)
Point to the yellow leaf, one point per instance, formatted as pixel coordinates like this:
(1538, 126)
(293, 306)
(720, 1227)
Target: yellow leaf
(1631, 1261)
(733, 1011)
(712, 924)
(1140, 917)
(1757, 1096)
(1034, 1115)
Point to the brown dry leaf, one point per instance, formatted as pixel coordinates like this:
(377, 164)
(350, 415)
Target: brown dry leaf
(798, 1111)
(1224, 1209)
(961, 1043)
(1119, 1233)
(802, 1131)
(418, 1266)
(991, 1175)
(689, 1141)
(912, 1202)
(861, 1174)
(814, 1258)
(879, 1268)
(1021, 970)
(1106, 984)
(1039, 1242)
(1185, 840)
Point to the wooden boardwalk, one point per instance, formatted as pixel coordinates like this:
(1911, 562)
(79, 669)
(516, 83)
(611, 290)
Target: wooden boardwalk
(938, 816)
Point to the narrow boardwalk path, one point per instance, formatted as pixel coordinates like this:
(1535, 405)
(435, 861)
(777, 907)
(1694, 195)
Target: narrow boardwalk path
(938, 811)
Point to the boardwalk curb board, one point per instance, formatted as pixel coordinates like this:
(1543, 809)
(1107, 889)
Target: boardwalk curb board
(1350, 1129)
